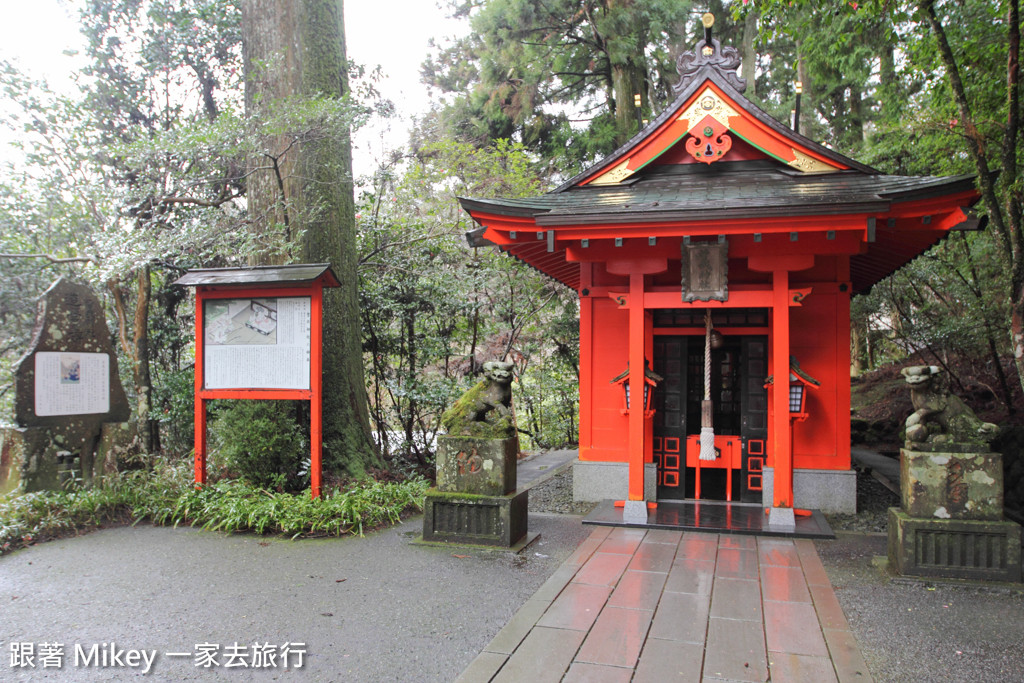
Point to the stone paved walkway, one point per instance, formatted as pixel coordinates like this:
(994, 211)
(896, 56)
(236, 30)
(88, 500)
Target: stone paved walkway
(659, 605)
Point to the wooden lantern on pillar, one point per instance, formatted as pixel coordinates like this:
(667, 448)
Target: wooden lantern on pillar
(799, 382)
(651, 380)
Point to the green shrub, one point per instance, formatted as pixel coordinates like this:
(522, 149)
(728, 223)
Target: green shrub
(166, 494)
(263, 443)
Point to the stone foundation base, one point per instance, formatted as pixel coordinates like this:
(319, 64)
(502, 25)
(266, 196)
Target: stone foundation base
(831, 491)
(476, 520)
(954, 548)
(596, 481)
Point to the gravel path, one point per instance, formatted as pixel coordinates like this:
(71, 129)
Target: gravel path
(555, 496)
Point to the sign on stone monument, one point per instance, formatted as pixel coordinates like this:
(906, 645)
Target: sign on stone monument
(66, 388)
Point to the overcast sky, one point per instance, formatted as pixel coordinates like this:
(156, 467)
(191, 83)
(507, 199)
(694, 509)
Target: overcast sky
(391, 33)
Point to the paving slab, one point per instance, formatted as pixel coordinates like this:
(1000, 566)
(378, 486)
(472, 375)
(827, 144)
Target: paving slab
(653, 557)
(543, 656)
(638, 590)
(665, 660)
(681, 617)
(617, 637)
(735, 651)
(721, 609)
(577, 607)
(784, 584)
(737, 599)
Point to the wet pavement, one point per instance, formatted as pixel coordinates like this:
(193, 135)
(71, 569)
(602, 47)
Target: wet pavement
(659, 605)
(364, 609)
(584, 603)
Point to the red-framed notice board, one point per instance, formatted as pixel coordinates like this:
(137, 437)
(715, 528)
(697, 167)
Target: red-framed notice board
(259, 335)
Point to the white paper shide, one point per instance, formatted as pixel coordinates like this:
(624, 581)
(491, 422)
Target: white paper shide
(256, 343)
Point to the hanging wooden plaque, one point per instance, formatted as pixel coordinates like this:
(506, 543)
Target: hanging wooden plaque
(706, 271)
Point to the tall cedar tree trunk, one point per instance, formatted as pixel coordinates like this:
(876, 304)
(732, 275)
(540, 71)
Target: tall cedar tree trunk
(138, 351)
(628, 71)
(748, 65)
(295, 48)
(1005, 215)
(807, 102)
(140, 365)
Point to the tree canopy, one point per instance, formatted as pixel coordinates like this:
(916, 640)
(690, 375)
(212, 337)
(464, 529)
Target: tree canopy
(174, 156)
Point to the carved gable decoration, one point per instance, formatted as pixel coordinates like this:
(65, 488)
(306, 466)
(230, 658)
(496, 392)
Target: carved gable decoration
(726, 60)
(705, 271)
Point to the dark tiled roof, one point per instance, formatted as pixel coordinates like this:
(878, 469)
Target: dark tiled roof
(707, 192)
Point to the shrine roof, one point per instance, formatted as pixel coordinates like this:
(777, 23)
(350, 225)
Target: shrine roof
(749, 190)
(714, 157)
(257, 276)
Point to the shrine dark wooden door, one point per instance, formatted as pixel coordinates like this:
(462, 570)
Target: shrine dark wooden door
(740, 409)
(669, 442)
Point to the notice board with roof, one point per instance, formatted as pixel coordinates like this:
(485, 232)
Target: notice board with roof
(259, 336)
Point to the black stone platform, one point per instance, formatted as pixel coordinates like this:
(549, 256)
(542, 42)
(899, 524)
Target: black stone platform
(712, 516)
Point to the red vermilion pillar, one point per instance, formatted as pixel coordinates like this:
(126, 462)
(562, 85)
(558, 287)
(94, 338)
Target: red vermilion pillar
(199, 405)
(781, 447)
(636, 386)
(316, 383)
(586, 437)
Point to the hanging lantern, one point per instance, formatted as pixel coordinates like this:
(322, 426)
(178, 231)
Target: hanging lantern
(651, 380)
(799, 381)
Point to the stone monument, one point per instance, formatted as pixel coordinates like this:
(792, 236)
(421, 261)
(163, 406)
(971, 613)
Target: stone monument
(475, 501)
(66, 390)
(950, 520)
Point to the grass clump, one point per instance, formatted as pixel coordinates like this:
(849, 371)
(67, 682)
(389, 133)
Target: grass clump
(165, 494)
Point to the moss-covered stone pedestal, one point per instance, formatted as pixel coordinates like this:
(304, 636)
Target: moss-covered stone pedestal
(949, 485)
(954, 548)
(462, 518)
(950, 523)
(476, 501)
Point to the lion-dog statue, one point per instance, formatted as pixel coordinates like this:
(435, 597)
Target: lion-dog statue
(940, 419)
(485, 411)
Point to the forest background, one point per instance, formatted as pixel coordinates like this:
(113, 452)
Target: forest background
(166, 160)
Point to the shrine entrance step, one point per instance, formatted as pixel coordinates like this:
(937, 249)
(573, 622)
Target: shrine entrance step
(711, 516)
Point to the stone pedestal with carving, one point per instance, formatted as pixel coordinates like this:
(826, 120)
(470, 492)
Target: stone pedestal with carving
(476, 501)
(463, 518)
(481, 466)
(950, 523)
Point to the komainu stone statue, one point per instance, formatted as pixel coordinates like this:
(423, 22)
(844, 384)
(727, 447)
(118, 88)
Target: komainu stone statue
(476, 500)
(485, 410)
(950, 519)
(941, 421)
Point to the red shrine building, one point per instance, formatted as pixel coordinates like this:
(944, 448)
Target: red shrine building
(717, 216)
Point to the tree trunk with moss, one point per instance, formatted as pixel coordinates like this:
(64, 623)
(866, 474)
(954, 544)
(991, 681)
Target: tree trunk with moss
(294, 49)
